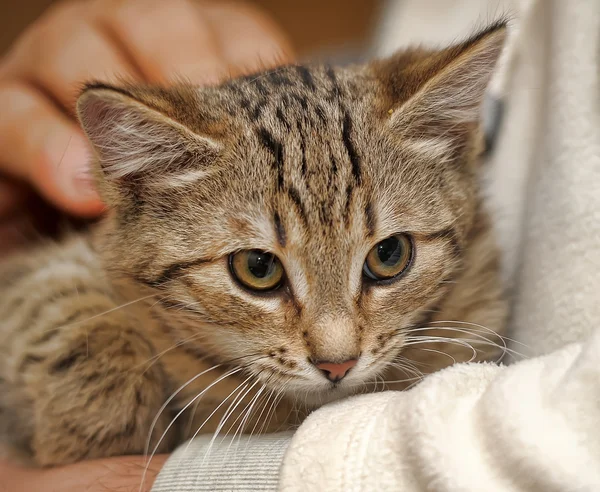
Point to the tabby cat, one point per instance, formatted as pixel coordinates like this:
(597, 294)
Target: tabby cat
(271, 244)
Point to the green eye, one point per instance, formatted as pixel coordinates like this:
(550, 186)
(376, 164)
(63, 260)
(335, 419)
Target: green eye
(256, 270)
(389, 258)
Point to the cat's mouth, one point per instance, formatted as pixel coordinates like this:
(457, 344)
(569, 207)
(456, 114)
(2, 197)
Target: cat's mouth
(314, 389)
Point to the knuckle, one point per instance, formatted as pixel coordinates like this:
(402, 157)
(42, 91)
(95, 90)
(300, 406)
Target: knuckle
(156, 10)
(16, 98)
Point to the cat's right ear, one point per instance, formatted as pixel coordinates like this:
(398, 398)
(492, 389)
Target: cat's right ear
(439, 93)
(137, 144)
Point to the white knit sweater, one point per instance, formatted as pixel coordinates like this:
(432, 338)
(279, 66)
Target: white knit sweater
(531, 426)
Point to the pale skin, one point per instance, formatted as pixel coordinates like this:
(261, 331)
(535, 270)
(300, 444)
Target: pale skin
(43, 151)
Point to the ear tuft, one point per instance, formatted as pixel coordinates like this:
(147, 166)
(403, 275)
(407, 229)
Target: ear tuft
(444, 90)
(133, 140)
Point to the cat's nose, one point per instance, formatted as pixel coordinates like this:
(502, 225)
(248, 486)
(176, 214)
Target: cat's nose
(335, 371)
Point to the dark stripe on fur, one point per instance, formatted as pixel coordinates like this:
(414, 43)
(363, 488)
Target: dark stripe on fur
(350, 148)
(306, 77)
(447, 234)
(276, 149)
(370, 219)
(172, 272)
(281, 117)
(29, 360)
(279, 229)
(295, 196)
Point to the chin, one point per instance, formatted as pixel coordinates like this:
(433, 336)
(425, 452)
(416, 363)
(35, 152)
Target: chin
(321, 396)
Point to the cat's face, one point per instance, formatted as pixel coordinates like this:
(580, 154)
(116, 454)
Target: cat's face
(300, 220)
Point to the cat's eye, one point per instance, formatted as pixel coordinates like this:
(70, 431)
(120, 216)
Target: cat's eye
(389, 258)
(256, 270)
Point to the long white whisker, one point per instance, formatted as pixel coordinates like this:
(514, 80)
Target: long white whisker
(478, 336)
(434, 351)
(169, 400)
(234, 404)
(270, 393)
(246, 412)
(104, 313)
(481, 340)
(408, 370)
(242, 385)
(436, 339)
(227, 374)
(272, 410)
(152, 360)
(485, 328)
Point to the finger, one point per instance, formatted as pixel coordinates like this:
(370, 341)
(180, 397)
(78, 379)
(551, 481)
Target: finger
(40, 145)
(65, 52)
(248, 39)
(167, 41)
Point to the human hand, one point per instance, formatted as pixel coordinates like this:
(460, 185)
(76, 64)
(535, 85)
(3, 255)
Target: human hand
(123, 474)
(41, 145)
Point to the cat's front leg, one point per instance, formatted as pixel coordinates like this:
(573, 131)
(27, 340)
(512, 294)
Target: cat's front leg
(97, 395)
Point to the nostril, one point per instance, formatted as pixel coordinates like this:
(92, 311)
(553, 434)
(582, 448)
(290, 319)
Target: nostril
(335, 371)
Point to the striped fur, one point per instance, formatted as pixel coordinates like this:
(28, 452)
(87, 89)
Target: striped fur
(315, 164)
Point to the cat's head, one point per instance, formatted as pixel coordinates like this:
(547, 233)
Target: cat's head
(298, 221)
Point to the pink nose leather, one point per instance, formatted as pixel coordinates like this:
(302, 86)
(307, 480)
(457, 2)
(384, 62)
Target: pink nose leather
(335, 372)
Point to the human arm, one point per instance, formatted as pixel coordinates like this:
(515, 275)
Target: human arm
(123, 474)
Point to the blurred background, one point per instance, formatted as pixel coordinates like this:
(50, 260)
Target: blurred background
(340, 29)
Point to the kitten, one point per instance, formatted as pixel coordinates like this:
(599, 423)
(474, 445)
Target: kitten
(279, 241)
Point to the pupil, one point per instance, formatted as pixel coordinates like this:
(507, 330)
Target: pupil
(388, 251)
(260, 264)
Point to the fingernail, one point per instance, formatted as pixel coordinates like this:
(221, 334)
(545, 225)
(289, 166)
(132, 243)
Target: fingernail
(74, 174)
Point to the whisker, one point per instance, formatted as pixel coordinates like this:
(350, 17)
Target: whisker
(227, 374)
(271, 411)
(480, 339)
(436, 339)
(483, 327)
(227, 415)
(246, 412)
(406, 369)
(242, 385)
(478, 336)
(152, 360)
(239, 417)
(454, 361)
(385, 381)
(169, 400)
(104, 313)
(270, 393)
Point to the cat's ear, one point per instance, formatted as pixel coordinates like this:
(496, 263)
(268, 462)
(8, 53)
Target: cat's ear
(440, 93)
(135, 143)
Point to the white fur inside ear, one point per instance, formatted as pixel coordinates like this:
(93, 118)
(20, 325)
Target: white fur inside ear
(455, 94)
(434, 149)
(134, 140)
(185, 179)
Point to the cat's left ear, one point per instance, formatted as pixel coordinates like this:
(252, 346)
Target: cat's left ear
(440, 93)
(137, 144)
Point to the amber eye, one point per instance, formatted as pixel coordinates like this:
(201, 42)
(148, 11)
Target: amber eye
(389, 258)
(256, 270)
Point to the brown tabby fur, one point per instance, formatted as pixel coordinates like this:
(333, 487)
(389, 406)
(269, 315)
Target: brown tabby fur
(314, 164)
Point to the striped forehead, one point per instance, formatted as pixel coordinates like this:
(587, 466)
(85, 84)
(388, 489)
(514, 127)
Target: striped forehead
(304, 131)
